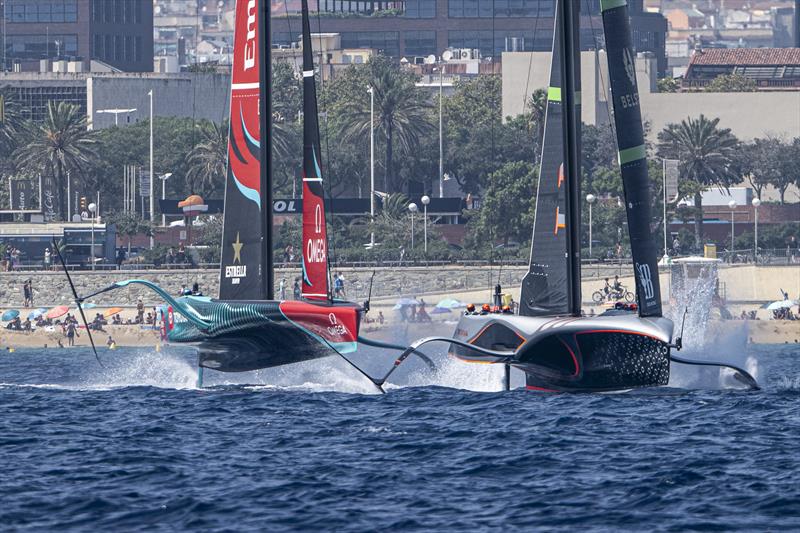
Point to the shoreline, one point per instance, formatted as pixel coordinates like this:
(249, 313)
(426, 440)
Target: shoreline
(136, 336)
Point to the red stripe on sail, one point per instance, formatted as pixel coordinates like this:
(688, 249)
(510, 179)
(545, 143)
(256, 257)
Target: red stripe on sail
(245, 130)
(315, 244)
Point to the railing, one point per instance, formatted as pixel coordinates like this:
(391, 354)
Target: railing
(599, 267)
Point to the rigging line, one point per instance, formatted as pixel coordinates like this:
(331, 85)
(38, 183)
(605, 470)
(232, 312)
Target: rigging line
(331, 241)
(530, 62)
(598, 67)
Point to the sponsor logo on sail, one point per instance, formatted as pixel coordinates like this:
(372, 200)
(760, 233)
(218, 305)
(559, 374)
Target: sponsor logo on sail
(235, 272)
(250, 45)
(646, 280)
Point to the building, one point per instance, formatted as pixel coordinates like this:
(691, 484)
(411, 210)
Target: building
(116, 32)
(749, 115)
(418, 28)
(771, 68)
(193, 95)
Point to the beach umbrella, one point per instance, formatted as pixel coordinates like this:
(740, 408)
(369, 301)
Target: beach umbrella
(9, 315)
(56, 312)
(779, 304)
(89, 305)
(403, 302)
(113, 311)
(450, 303)
(36, 313)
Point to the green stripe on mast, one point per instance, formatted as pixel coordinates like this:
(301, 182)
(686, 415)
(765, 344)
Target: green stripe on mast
(632, 154)
(605, 5)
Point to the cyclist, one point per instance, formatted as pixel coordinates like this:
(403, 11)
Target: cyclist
(618, 289)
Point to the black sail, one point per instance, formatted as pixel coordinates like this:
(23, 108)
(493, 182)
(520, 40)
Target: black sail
(552, 284)
(632, 154)
(246, 270)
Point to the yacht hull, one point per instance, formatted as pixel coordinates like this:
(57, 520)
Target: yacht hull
(573, 354)
(250, 335)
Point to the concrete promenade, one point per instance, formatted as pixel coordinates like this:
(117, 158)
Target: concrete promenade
(739, 283)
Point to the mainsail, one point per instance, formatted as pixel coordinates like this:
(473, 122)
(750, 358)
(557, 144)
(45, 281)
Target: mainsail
(315, 238)
(246, 265)
(552, 284)
(632, 154)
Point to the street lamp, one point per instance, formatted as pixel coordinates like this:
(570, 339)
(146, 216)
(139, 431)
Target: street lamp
(732, 204)
(371, 92)
(425, 201)
(92, 209)
(164, 178)
(756, 202)
(413, 208)
(440, 68)
(590, 199)
(152, 200)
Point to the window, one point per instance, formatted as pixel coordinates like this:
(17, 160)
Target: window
(420, 43)
(420, 9)
(502, 8)
(34, 47)
(386, 42)
(22, 11)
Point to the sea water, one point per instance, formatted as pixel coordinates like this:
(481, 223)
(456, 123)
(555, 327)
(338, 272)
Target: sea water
(134, 445)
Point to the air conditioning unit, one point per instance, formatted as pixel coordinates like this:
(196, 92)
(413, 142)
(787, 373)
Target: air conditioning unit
(466, 53)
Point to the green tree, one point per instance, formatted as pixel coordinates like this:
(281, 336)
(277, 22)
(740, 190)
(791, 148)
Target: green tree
(10, 123)
(731, 83)
(706, 153)
(668, 85)
(207, 159)
(402, 114)
(477, 141)
(130, 225)
(507, 207)
(59, 145)
(788, 168)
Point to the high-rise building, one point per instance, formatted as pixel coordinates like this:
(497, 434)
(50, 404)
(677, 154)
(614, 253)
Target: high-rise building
(423, 27)
(116, 32)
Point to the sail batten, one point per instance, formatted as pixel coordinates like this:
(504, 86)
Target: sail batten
(315, 234)
(245, 266)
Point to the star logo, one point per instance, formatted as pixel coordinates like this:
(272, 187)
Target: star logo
(237, 249)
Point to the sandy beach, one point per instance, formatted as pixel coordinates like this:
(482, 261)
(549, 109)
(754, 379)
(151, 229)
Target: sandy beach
(762, 331)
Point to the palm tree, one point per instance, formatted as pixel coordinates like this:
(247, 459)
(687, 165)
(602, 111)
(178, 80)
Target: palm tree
(10, 120)
(207, 160)
(706, 153)
(537, 110)
(402, 114)
(61, 144)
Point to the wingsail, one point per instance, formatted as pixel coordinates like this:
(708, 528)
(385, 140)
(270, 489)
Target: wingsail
(243, 271)
(632, 155)
(315, 235)
(545, 287)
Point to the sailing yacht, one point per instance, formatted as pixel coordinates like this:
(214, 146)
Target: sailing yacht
(549, 340)
(246, 328)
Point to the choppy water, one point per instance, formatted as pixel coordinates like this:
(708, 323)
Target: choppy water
(136, 447)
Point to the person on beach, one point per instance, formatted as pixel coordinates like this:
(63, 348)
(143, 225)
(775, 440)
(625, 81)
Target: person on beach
(72, 332)
(110, 343)
(282, 289)
(26, 292)
(296, 289)
(139, 312)
(48, 259)
(196, 289)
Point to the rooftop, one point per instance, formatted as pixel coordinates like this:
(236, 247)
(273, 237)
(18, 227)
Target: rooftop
(747, 56)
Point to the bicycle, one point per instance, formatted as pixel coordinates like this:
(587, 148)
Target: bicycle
(599, 296)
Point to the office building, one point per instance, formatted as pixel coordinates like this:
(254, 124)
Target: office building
(415, 28)
(116, 32)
